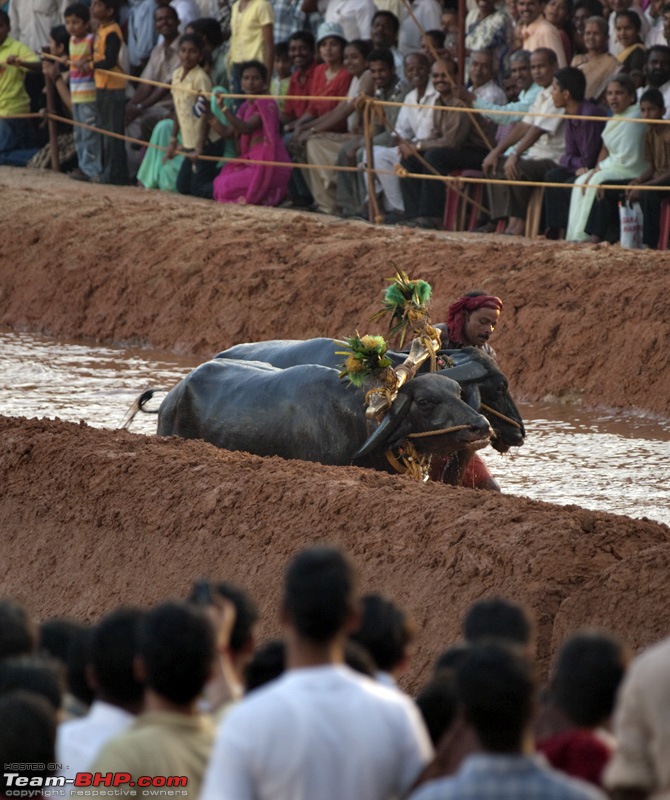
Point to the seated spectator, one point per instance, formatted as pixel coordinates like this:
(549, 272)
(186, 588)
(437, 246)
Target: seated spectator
(540, 139)
(117, 693)
(255, 128)
(496, 690)
(657, 155)
(657, 73)
(598, 66)
(385, 632)
(481, 74)
(301, 48)
(321, 730)
(322, 144)
(454, 143)
(571, 728)
(632, 53)
(351, 189)
(413, 124)
(490, 28)
(151, 104)
(16, 141)
(281, 74)
(621, 159)
(176, 647)
(582, 146)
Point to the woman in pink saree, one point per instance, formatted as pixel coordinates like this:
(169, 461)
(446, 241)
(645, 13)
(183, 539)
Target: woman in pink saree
(256, 126)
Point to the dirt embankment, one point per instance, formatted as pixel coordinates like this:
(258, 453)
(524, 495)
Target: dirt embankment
(91, 519)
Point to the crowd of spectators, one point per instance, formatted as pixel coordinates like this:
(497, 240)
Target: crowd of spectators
(527, 63)
(183, 690)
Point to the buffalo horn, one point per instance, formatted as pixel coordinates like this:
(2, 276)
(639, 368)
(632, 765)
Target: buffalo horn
(386, 427)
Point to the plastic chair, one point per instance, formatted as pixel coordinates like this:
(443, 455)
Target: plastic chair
(456, 210)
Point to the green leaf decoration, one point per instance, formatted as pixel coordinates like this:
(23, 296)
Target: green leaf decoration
(405, 300)
(365, 357)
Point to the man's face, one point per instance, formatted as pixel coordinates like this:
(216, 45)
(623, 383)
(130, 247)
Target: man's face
(417, 71)
(479, 325)
(166, 24)
(440, 77)
(481, 69)
(520, 71)
(542, 70)
(382, 33)
(528, 10)
(300, 53)
(558, 95)
(381, 74)
(657, 68)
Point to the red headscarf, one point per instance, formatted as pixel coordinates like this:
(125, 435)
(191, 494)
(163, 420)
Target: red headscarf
(457, 311)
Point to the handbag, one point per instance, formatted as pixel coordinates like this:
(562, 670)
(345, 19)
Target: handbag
(630, 226)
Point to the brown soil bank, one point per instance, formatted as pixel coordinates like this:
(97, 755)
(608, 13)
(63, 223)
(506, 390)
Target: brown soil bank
(91, 519)
(581, 322)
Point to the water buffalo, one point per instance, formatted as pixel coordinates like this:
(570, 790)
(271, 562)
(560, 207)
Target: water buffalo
(483, 385)
(307, 412)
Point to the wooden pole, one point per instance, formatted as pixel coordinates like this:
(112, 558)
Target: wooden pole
(53, 136)
(461, 42)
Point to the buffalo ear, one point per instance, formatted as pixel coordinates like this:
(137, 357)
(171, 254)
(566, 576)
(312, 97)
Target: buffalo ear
(386, 427)
(463, 373)
(470, 395)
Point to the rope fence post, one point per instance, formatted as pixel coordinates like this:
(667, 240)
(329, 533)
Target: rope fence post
(53, 135)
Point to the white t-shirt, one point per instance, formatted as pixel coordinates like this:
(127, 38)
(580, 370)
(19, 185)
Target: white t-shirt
(551, 145)
(323, 733)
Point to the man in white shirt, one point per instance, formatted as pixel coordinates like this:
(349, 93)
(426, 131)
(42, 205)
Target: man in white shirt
(481, 78)
(31, 21)
(541, 141)
(355, 17)
(412, 125)
(118, 693)
(321, 730)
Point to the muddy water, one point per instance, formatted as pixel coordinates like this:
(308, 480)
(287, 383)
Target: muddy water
(606, 462)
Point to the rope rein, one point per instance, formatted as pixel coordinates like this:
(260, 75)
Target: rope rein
(439, 432)
(501, 416)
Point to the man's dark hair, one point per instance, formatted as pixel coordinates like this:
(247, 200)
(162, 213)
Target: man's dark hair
(78, 10)
(246, 613)
(550, 54)
(495, 619)
(319, 592)
(437, 37)
(571, 80)
(654, 97)
(385, 631)
(27, 734)
(176, 642)
(266, 664)
(496, 687)
(383, 55)
(437, 704)
(304, 36)
(78, 659)
(452, 657)
(362, 45)
(395, 22)
(358, 658)
(589, 669)
(41, 676)
(594, 7)
(660, 48)
(113, 647)
(209, 29)
(55, 636)
(60, 35)
(18, 634)
(171, 9)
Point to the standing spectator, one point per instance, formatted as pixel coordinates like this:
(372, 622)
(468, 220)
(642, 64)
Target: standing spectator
(321, 730)
(18, 632)
(640, 767)
(15, 134)
(428, 15)
(110, 94)
(151, 104)
(557, 13)
(187, 11)
(384, 36)
(82, 94)
(490, 28)
(288, 18)
(496, 690)
(354, 17)
(252, 37)
(535, 32)
(141, 33)
(32, 20)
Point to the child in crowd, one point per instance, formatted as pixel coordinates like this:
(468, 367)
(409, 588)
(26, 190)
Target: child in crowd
(449, 25)
(256, 127)
(110, 89)
(657, 154)
(83, 94)
(281, 76)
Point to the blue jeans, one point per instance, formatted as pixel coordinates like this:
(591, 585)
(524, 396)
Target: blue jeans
(88, 144)
(14, 141)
